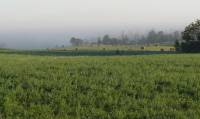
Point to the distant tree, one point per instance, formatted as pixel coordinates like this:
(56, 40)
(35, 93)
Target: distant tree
(192, 32)
(191, 38)
(160, 37)
(125, 39)
(177, 35)
(177, 45)
(106, 39)
(99, 41)
(76, 41)
(136, 37)
(152, 36)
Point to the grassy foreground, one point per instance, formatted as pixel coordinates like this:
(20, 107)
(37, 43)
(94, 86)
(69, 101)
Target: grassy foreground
(117, 87)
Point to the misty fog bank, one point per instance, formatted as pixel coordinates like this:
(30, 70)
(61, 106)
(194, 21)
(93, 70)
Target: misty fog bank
(31, 39)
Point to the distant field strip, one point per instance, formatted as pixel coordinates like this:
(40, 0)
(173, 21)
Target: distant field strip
(85, 52)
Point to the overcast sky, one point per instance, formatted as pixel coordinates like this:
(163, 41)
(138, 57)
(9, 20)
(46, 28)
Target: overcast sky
(82, 17)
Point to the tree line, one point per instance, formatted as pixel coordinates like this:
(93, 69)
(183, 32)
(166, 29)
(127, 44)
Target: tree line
(152, 37)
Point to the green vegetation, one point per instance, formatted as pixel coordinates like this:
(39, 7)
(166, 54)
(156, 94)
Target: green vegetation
(117, 87)
(191, 38)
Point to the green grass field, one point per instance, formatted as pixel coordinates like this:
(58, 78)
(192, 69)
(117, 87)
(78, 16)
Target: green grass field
(110, 87)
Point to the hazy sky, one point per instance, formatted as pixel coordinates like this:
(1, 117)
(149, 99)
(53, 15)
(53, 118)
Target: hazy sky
(83, 17)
